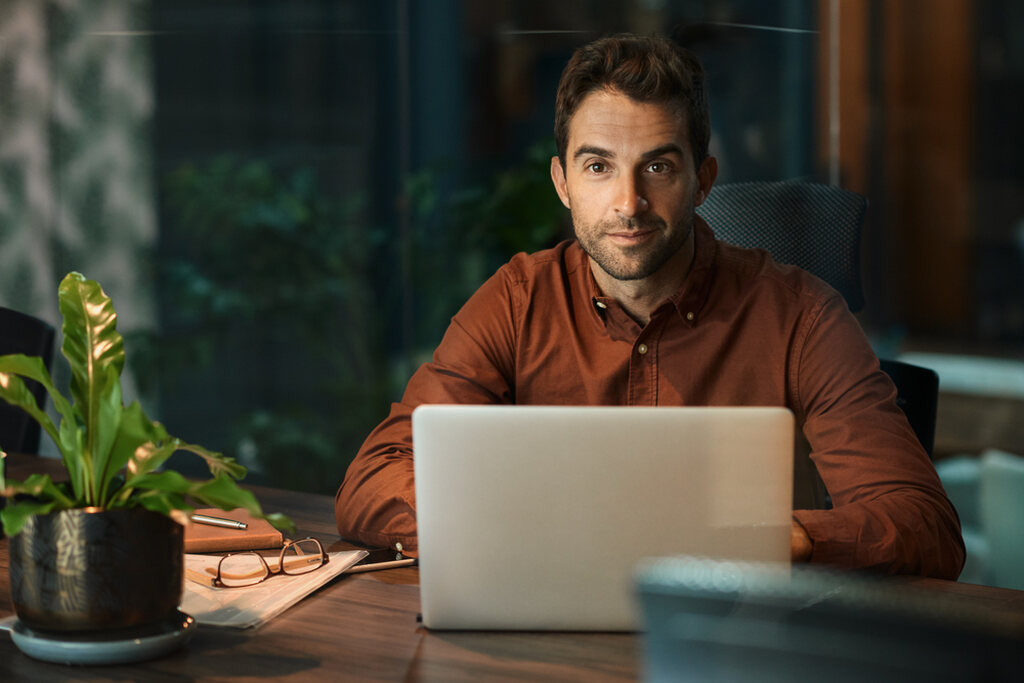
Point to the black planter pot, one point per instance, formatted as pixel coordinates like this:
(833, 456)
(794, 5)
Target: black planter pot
(90, 569)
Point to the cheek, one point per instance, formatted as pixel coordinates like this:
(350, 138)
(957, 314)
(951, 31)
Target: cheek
(589, 200)
(584, 211)
(676, 199)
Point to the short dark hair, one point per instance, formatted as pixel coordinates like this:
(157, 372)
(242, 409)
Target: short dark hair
(644, 68)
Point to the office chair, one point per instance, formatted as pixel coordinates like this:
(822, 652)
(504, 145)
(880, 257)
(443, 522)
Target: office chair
(20, 333)
(818, 227)
(917, 392)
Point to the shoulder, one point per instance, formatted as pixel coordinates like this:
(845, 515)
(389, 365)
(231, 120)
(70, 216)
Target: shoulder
(563, 259)
(754, 270)
(546, 273)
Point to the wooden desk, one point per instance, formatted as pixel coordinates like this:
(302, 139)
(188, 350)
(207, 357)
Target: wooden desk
(363, 627)
(360, 627)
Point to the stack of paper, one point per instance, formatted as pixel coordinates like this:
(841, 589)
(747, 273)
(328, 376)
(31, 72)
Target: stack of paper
(250, 606)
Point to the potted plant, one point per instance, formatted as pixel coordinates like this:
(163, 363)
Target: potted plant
(102, 550)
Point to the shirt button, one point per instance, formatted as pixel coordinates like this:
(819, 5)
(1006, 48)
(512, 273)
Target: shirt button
(642, 349)
(600, 304)
(689, 316)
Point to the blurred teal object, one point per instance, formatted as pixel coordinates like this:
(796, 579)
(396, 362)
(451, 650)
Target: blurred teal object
(1001, 506)
(961, 477)
(722, 621)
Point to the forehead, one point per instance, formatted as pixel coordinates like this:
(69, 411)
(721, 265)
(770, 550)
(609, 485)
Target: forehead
(611, 120)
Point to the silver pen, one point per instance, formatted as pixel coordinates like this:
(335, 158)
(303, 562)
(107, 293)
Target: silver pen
(219, 521)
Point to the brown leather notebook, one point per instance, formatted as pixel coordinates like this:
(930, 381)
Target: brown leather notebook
(204, 538)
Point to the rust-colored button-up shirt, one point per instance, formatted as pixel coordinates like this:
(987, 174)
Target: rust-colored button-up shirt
(742, 330)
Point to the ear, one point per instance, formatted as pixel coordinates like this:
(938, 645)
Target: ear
(558, 180)
(706, 178)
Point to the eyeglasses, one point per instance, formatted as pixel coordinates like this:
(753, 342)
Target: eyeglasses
(249, 568)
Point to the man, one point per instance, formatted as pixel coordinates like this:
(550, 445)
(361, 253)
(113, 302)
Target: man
(645, 307)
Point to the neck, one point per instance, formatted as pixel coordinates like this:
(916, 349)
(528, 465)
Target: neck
(639, 298)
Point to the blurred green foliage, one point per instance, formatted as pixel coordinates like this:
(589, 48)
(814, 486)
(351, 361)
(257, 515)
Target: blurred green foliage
(462, 238)
(284, 297)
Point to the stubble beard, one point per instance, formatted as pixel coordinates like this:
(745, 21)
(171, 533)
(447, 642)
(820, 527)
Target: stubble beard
(641, 261)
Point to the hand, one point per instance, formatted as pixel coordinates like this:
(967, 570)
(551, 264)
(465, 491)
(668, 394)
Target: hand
(800, 545)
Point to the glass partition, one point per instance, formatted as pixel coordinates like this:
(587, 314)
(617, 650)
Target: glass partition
(288, 200)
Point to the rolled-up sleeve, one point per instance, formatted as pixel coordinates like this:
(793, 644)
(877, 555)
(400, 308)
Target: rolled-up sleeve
(890, 512)
(376, 503)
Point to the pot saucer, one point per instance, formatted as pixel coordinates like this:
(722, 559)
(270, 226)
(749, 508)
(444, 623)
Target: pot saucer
(129, 645)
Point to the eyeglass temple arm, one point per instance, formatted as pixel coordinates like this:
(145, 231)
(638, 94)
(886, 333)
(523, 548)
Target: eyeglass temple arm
(289, 564)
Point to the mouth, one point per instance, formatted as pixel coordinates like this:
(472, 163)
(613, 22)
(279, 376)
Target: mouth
(631, 237)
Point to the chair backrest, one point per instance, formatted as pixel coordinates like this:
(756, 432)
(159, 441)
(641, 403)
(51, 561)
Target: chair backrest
(814, 226)
(917, 393)
(818, 227)
(20, 333)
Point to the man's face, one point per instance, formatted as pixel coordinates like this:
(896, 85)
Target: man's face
(630, 183)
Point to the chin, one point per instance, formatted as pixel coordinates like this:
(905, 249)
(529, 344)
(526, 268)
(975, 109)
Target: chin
(632, 271)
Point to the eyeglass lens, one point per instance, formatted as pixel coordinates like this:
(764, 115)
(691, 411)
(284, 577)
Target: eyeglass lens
(243, 569)
(250, 568)
(303, 556)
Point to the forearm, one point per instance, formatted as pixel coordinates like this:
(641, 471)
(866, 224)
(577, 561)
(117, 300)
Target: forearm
(905, 532)
(890, 510)
(376, 502)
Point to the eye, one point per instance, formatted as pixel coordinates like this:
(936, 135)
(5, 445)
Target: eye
(596, 167)
(659, 167)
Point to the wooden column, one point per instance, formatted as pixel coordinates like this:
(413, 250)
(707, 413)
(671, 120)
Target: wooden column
(905, 140)
(927, 60)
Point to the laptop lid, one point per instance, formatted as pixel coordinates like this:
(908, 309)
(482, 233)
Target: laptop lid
(533, 517)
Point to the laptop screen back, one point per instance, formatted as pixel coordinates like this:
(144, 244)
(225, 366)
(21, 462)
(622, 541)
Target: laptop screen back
(534, 517)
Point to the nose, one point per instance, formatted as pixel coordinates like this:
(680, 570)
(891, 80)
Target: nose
(630, 201)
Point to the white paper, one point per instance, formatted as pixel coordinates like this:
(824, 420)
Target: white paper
(250, 606)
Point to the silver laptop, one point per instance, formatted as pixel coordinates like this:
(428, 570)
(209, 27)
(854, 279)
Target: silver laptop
(534, 517)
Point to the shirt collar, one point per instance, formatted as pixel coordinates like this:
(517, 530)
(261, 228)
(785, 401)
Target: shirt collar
(688, 302)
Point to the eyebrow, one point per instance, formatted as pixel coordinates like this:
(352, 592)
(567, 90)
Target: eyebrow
(670, 148)
(597, 151)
